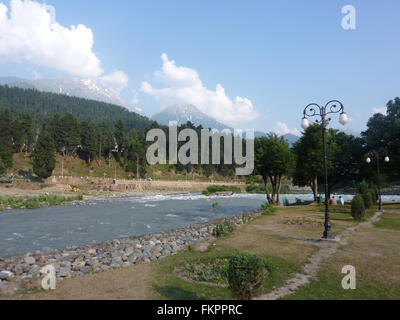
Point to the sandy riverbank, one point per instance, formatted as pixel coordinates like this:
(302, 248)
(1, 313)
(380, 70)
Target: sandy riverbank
(56, 185)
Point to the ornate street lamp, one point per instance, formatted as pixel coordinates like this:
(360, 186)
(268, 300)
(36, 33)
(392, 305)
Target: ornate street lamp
(314, 110)
(368, 160)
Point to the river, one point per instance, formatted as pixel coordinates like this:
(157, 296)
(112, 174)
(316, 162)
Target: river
(48, 228)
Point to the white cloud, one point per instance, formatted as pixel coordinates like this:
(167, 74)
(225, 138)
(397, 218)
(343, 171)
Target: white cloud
(36, 74)
(281, 129)
(380, 110)
(30, 33)
(116, 80)
(135, 98)
(183, 86)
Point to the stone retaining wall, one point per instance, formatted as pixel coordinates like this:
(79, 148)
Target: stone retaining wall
(78, 260)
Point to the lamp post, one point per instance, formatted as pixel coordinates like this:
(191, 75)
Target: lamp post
(368, 160)
(315, 110)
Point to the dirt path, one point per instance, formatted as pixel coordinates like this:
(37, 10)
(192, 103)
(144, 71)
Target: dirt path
(327, 248)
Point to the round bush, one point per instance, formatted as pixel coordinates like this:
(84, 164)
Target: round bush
(367, 200)
(246, 274)
(357, 207)
(363, 187)
(374, 195)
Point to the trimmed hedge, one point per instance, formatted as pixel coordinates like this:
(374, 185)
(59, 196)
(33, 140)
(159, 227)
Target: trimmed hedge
(374, 195)
(357, 207)
(246, 274)
(367, 200)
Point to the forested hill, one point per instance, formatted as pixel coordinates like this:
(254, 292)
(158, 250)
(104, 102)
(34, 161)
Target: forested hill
(42, 105)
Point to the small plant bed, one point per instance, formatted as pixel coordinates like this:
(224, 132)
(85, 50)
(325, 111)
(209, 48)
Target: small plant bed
(215, 190)
(210, 272)
(303, 221)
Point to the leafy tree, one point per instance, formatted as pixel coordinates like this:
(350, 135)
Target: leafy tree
(343, 158)
(89, 141)
(383, 134)
(309, 159)
(44, 156)
(120, 136)
(273, 160)
(26, 126)
(2, 167)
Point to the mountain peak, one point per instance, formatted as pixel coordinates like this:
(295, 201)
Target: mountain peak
(80, 88)
(185, 113)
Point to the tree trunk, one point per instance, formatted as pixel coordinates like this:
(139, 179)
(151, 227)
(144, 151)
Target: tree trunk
(273, 187)
(314, 187)
(279, 190)
(265, 179)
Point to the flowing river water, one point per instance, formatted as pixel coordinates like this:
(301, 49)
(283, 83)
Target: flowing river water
(48, 228)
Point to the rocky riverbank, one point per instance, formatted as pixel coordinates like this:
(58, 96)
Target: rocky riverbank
(78, 260)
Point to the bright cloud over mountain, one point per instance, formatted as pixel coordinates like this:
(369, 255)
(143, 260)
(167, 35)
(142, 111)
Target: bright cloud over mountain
(281, 128)
(30, 33)
(183, 86)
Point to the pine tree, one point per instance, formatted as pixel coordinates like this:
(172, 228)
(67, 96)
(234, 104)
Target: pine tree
(43, 156)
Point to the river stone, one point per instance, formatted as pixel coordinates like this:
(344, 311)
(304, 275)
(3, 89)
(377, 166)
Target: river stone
(3, 275)
(30, 260)
(18, 270)
(165, 252)
(129, 251)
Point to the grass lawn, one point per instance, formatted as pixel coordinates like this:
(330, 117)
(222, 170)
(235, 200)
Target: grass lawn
(389, 221)
(374, 252)
(285, 240)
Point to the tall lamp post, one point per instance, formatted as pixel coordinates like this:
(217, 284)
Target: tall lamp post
(315, 110)
(368, 160)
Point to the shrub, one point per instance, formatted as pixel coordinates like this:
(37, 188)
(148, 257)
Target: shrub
(373, 194)
(363, 187)
(223, 229)
(214, 189)
(246, 273)
(267, 209)
(357, 207)
(255, 188)
(367, 200)
(32, 203)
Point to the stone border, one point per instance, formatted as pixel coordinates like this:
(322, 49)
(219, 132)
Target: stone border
(79, 260)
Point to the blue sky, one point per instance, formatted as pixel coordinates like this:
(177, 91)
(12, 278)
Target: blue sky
(279, 55)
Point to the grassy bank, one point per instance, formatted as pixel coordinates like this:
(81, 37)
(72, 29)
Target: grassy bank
(36, 202)
(216, 189)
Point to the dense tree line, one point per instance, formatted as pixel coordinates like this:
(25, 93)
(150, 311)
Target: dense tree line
(95, 131)
(41, 105)
(346, 155)
(88, 129)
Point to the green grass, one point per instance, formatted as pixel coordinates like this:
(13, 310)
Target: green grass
(260, 189)
(36, 202)
(214, 189)
(343, 213)
(167, 285)
(328, 286)
(389, 221)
